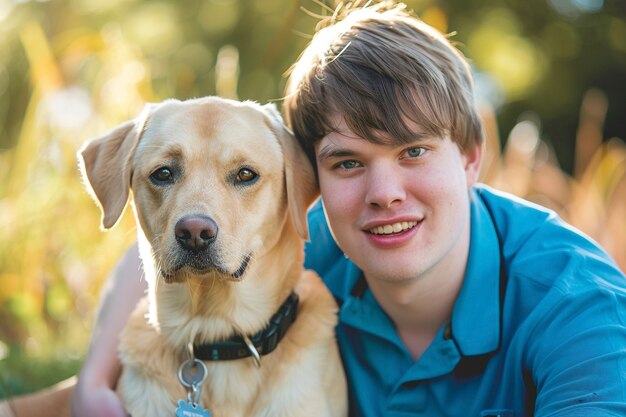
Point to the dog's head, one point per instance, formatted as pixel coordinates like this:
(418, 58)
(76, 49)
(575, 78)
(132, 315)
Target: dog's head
(212, 182)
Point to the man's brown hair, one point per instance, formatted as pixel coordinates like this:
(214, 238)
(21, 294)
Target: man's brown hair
(385, 72)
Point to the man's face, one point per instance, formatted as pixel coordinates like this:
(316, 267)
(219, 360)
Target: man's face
(398, 211)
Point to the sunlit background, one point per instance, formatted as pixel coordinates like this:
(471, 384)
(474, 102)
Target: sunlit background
(551, 80)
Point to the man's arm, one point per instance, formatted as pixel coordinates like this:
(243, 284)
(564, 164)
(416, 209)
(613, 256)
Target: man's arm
(94, 395)
(577, 355)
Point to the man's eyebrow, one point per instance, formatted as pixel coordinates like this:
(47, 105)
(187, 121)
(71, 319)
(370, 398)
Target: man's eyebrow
(333, 151)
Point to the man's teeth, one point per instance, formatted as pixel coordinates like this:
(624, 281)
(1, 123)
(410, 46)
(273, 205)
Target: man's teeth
(392, 228)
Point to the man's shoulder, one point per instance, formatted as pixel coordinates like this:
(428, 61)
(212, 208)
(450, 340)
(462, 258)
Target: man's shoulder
(542, 250)
(558, 283)
(525, 227)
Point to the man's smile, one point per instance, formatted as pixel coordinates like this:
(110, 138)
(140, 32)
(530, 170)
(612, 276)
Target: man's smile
(392, 228)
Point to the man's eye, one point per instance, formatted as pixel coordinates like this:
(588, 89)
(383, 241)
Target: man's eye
(351, 164)
(415, 152)
(246, 175)
(163, 175)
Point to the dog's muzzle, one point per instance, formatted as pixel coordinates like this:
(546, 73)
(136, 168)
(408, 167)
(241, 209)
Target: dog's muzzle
(196, 235)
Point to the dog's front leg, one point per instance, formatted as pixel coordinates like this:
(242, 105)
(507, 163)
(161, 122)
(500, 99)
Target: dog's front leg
(149, 384)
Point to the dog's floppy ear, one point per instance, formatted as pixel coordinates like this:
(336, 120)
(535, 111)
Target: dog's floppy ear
(105, 163)
(301, 183)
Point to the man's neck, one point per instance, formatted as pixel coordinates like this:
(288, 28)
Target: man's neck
(421, 306)
(418, 309)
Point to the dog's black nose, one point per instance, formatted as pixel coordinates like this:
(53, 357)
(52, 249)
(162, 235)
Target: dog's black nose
(195, 232)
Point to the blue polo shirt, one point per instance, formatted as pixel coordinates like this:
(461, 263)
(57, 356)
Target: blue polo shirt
(538, 328)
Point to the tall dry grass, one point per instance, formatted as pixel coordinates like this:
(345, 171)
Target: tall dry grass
(593, 199)
(53, 258)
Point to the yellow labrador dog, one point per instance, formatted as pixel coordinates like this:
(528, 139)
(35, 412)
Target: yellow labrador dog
(232, 324)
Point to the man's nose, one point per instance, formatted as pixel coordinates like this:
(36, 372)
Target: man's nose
(385, 186)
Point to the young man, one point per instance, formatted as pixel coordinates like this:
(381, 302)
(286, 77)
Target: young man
(455, 300)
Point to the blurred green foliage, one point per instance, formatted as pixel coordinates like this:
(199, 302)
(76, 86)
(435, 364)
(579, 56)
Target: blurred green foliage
(72, 69)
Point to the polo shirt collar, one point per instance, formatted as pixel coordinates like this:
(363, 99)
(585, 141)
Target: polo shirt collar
(476, 315)
(360, 310)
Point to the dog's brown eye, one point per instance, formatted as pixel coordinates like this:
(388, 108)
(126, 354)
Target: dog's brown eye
(162, 175)
(246, 175)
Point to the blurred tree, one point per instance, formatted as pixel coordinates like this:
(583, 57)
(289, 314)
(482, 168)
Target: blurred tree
(544, 55)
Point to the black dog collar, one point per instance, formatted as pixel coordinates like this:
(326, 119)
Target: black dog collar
(265, 341)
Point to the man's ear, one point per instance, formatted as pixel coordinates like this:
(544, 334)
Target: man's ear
(301, 182)
(472, 159)
(105, 163)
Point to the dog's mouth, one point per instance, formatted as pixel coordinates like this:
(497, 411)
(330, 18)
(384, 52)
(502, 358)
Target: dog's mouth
(242, 269)
(197, 266)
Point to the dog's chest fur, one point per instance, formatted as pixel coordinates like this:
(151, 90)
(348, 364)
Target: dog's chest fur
(238, 387)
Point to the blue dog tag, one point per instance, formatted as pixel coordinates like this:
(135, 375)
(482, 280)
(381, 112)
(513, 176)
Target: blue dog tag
(186, 409)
